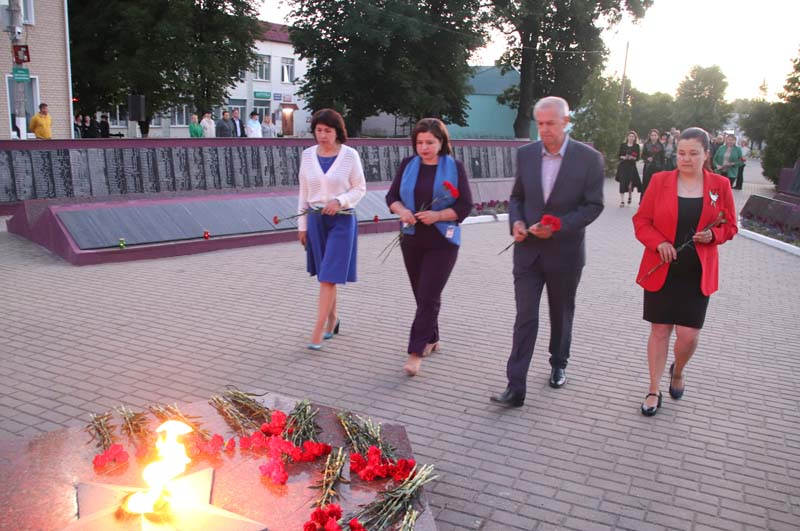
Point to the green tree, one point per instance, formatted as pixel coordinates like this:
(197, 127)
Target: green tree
(555, 45)
(601, 120)
(393, 56)
(649, 111)
(701, 100)
(172, 51)
(783, 133)
(754, 120)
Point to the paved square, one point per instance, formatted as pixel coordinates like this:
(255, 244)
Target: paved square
(76, 340)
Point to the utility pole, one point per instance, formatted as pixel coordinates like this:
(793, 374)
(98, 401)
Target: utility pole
(15, 32)
(624, 71)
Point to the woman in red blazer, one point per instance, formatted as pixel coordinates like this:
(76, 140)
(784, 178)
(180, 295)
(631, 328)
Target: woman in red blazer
(689, 204)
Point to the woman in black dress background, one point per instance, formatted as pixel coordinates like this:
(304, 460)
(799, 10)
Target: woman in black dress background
(653, 156)
(627, 173)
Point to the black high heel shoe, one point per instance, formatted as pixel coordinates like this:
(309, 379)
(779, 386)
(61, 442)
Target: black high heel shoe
(674, 392)
(651, 411)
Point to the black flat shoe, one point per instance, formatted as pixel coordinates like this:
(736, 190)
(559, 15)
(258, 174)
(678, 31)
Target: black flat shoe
(651, 411)
(558, 377)
(508, 398)
(675, 393)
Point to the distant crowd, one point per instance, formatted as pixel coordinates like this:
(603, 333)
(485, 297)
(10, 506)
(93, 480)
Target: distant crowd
(231, 126)
(660, 153)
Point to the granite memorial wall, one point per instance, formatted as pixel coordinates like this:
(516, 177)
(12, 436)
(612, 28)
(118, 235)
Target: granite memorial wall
(101, 168)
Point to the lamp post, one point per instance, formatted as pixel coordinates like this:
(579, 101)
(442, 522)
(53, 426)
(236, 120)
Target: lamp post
(14, 30)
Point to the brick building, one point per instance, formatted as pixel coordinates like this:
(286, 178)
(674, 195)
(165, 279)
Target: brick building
(45, 31)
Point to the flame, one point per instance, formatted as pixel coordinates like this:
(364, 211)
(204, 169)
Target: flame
(171, 462)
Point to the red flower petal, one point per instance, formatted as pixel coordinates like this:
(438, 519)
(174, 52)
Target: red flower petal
(276, 220)
(376, 219)
(309, 526)
(334, 510)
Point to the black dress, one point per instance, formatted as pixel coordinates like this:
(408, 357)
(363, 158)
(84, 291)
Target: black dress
(627, 173)
(680, 301)
(656, 151)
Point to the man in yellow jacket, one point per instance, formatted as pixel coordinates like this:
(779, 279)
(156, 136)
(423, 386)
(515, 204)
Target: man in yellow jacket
(42, 123)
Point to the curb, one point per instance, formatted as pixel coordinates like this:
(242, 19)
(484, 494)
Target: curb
(777, 244)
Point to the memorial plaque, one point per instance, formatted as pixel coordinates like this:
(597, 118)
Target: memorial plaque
(42, 167)
(23, 175)
(211, 168)
(79, 170)
(62, 173)
(131, 178)
(164, 172)
(180, 167)
(97, 167)
(148, 172)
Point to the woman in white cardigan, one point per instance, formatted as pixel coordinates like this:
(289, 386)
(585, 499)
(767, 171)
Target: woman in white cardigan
(331, 184)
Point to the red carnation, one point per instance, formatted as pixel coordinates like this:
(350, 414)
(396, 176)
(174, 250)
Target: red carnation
(553, 221)
(309, 526)
(452, 189)
(332, 525)
(376, 218)
(355, 525)
(276, 220)
(634, 154)
(100, 460)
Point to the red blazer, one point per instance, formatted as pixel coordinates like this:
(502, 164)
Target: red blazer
(657, 221)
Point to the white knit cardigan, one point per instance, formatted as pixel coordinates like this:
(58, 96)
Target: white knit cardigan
(344, 181)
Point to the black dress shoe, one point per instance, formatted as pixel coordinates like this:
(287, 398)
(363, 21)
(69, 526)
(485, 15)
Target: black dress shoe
(558, 377)
(651, 411)
(674, 392)
(508, 398)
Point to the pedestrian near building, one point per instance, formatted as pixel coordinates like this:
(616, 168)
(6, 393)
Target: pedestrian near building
(431, 195)
(105, 127)
(253, 127)
(653, 156)
(224, 127)
(42, 123)
(743, 145)
(195, 129)
(563, 178)
(238, 126)
(77, 126)
(627, 173)
(208, 125)
(728, 159)
(268, 129)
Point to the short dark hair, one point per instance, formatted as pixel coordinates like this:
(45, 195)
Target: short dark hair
(42, 106)
(435, 127)
(225, 112)
(254, 113)
(696, 133)
(332, 119)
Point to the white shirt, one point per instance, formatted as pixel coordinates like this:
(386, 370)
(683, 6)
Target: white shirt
(551, 163)
(253, 129)
(344, 181)
(209, 128)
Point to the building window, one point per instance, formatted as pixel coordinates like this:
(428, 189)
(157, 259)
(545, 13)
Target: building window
(31, 100)
(237, 104)
(180, 115)
(118, 117)
(287, 70)
(262, 108)
(263, 65)
(27, 12)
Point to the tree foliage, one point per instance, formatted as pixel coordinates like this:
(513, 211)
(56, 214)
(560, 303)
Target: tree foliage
(754, 120)
(555, 45)
(394, 56)
(172, 51)
(601, 120)
(651, 111)
(783, 133)
(700, 100)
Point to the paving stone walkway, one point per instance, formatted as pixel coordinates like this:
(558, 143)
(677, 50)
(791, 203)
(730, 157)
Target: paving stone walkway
(75, 340)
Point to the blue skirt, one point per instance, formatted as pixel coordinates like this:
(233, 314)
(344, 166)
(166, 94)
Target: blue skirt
(331, 247)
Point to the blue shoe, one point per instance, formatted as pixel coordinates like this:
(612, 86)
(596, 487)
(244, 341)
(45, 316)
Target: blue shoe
(329, 335)
(315, 346)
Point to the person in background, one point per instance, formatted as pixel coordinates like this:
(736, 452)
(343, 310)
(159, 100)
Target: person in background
(670, 145)
(627, 173)
(422, 195)
(653, 155)
(238, 126)
(91, 129)
(681, 206)
(743, 145)
(253, 127)
(332, 183)
(195, 129)
(728, 159)
(105, 127)
(42, 123)
(224, 127)
(207, 123)
(77, 126)
(268, 129)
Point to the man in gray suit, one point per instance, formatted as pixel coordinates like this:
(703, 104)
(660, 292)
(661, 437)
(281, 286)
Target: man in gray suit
(563, 178)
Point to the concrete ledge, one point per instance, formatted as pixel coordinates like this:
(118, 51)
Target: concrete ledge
(777, 244)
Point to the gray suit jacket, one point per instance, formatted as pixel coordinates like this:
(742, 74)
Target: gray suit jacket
(577, 199)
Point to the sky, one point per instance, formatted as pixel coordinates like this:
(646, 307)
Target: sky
(751, 41)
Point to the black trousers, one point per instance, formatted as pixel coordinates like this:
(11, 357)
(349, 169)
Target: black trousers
(428, 268)
(739, 179)
(562, 286)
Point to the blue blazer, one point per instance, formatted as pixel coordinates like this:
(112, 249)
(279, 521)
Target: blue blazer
(577, 199)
